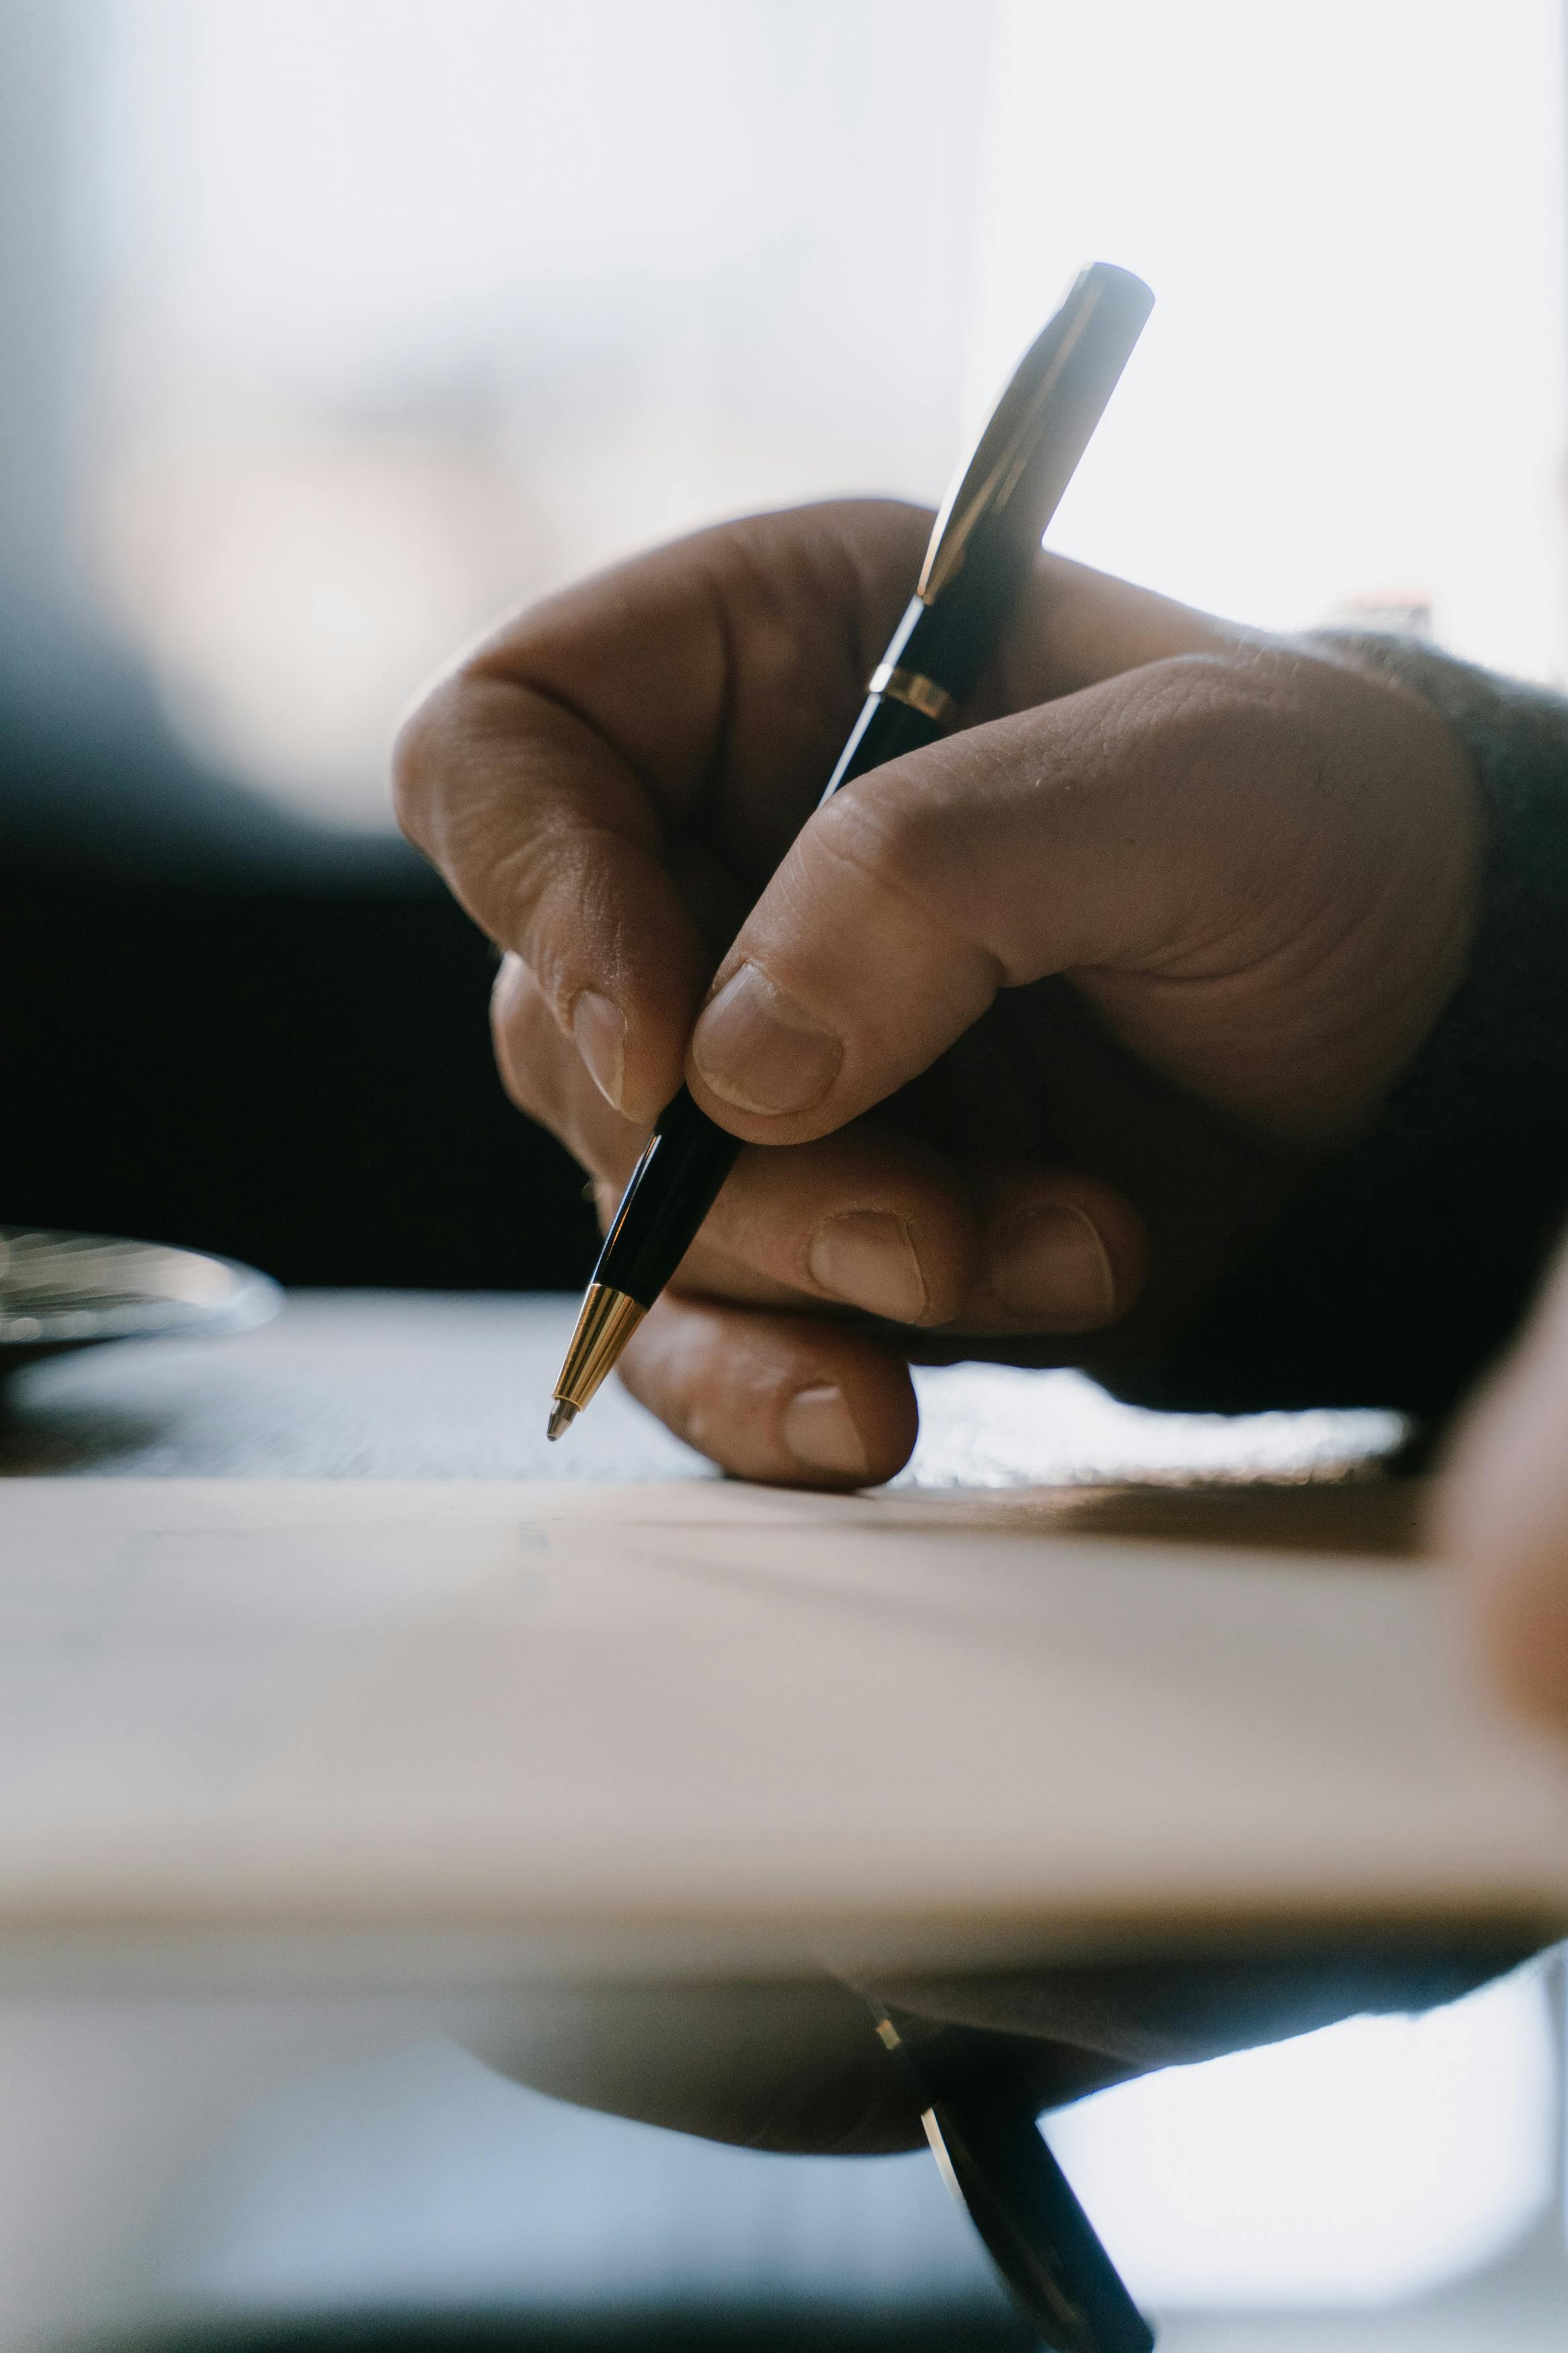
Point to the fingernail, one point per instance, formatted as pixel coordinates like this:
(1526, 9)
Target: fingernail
(1053, 1264)
(761, 1051)
(868, 1257)
(820, 1435)
(599, 1028)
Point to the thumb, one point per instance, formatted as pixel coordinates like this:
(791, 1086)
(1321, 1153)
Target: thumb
(1194, 842)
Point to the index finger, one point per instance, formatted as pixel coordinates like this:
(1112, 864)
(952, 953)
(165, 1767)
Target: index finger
(708, 686)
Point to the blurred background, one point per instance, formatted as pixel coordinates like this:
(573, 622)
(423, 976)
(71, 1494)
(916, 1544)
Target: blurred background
(375, 319)
(333, 328)
(336, 327)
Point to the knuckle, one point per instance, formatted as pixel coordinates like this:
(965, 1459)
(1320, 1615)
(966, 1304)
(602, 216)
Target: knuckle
(1200, 698)
(1179, 703)
(1212, 719)
(887, 835)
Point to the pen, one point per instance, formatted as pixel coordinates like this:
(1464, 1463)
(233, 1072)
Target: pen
(979, 2119)
(982, 549)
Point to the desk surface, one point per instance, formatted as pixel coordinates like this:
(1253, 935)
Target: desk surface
(357, 1386)
(354, 1388)
(377, 1385)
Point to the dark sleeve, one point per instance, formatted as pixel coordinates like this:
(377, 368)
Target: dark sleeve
(1408, 1266)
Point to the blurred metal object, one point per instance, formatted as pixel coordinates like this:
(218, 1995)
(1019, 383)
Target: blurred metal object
(60, 1290)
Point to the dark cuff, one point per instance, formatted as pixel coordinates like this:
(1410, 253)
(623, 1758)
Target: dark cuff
(1408, 1266)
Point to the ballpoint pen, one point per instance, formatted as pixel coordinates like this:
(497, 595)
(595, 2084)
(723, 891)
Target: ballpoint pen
(978, 2116)
(980, 555)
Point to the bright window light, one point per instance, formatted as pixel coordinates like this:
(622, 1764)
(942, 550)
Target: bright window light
(409, 313)
(1352, 215)
(413, 313)
(1358, 2166)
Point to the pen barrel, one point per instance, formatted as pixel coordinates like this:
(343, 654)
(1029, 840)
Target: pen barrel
(990, 2146)
(981, 554)
(885, 730)
(671, 1190)
(688, 1156)
(974, 2090)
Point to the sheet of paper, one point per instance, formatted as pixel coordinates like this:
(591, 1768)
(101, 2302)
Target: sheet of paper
(728, 1718)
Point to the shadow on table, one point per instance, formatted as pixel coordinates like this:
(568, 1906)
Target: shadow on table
(46, 1441)
(959, 2329)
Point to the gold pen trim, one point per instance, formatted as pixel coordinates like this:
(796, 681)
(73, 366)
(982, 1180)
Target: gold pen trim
(604, 1324)
(911, 686)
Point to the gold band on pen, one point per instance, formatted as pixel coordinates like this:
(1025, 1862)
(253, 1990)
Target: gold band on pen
(922, 694)
(606, 1322)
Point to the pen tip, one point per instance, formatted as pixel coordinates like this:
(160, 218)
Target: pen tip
(562, 1417)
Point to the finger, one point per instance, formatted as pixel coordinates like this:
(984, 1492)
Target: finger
(867, 1218)
(792, 2066)
(1161, 837)
(873, 1220)
(1502, 1513)
(1013, 851)
(1076, 626)
(1059, 1252)
(545, 1076)
(793, 1399)
(543, 775)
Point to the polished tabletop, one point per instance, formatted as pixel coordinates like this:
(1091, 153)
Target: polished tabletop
(119, 2114)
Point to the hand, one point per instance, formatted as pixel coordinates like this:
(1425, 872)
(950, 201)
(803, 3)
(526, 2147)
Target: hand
(1034, 1032)
(798, 2066)
(1502, 1513)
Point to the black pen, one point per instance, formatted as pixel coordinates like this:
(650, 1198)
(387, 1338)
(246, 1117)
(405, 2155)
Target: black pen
(980, 555)
(979, 2116)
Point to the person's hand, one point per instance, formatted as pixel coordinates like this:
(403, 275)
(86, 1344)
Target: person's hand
(1034, 1031)
(1502, 1513)
(798, 2065)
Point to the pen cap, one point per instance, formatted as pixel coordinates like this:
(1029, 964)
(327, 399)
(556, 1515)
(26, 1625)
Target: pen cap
(1003, 497)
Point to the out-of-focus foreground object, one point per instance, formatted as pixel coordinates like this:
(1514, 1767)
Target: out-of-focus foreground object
(554, 1728)
(64, 1290)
